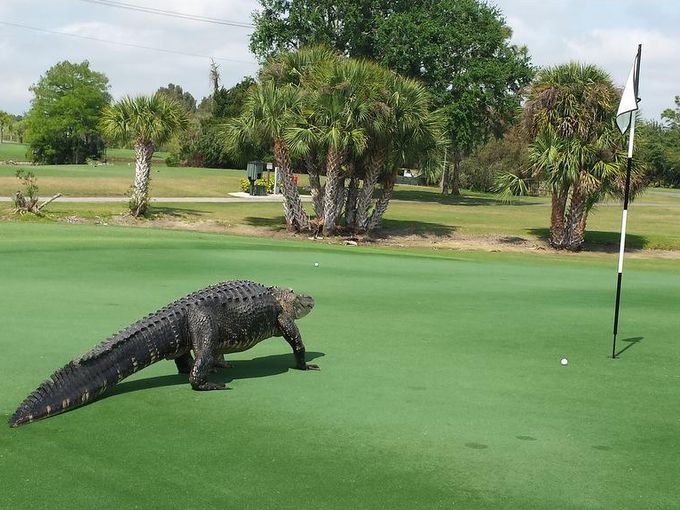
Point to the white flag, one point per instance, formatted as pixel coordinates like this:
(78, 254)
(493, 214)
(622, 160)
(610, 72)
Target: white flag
(629, 99)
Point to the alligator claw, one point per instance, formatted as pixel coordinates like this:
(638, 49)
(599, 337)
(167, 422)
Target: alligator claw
(211, 386)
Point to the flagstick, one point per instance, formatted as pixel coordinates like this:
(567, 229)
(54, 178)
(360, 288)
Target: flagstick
(624, 219)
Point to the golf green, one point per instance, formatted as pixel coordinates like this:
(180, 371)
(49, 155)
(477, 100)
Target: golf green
(440, 382)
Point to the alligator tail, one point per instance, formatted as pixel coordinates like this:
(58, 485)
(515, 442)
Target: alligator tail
(88, 376)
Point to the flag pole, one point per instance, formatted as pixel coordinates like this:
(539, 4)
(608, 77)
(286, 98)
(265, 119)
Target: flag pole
(626, 195)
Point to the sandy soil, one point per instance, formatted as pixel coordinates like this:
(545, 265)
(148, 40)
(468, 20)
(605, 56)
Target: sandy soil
(490, 243)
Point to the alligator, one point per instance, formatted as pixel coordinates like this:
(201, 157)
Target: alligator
(227, 317)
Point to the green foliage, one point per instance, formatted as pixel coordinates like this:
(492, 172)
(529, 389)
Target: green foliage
(202, 144)
(498, 157)
(245, 185)
(176, 92)
(267, 182)
(62, 124)
(348, 26)
(459, 49)
(6, 121)
(144, 119)
(229, 102)
(29, 183)
(660, 147)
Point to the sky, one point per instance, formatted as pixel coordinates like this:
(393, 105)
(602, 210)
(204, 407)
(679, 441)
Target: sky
(602, 32)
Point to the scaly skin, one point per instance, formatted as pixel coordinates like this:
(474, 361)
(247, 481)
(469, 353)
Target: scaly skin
(228, 317)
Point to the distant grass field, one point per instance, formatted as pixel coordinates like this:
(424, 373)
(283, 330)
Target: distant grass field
(126, 155)
(13, 151)
(17, 152)
(116, 179)
(440, 382)
(653, 219)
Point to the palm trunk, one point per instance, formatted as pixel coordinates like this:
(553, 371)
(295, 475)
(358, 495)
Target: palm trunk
(576, 218)
(296, 218)
(375, 167)
(139, 200)
(332, 187)
(444, 183)
(314, 183)
(382, 203)
(352, 198)
(557, 224)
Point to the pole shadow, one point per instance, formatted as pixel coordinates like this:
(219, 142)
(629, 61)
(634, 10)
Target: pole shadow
(631, 342)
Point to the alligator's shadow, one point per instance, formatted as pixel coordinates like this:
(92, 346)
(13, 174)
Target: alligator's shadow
(241, 369)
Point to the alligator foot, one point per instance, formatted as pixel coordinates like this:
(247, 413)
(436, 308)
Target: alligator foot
(207, 386)
(308, 366)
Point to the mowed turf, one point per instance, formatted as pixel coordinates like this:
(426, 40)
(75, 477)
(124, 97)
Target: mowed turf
(114, 180)
(440, 382)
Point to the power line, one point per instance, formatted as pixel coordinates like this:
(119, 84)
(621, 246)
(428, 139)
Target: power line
(172, 14)
(130, 45)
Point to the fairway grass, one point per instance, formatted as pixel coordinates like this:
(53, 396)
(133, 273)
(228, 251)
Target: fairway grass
(114, 180)
(13, 151)
(440, 382)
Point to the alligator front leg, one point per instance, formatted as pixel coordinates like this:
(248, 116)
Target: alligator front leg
(204, 340)
(220, 362)
(291, 333)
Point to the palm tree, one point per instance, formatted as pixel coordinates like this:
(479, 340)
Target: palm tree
(269, 111)
(407, 133)
(146, 122)
(569, 113)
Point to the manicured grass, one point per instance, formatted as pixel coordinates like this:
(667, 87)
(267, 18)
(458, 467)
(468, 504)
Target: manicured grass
(128, 155)
(17, 152)
(13, 151)
(653, 219)
(116, 179)
(440, 386)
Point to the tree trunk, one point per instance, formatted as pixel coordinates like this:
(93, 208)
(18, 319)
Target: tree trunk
(576, 219)
(455, 175)
(352, 198)
(333, 181)
(296, 217)
(315, 183)
(557, 226)
(382, 203)
(444, 183)
(375, 167)
(139, 200)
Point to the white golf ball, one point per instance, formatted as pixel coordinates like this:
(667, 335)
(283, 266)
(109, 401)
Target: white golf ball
(564, 361)
(316, 264)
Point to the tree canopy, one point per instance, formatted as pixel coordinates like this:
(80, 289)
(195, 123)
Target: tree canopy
(177, 93)
(459, 49)
(62, 124)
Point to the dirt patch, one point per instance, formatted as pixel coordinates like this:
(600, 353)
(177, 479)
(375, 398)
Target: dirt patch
(489, 243)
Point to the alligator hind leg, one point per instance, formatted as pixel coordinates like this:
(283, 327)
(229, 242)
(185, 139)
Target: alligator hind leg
(204, 340)
(184, 363)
